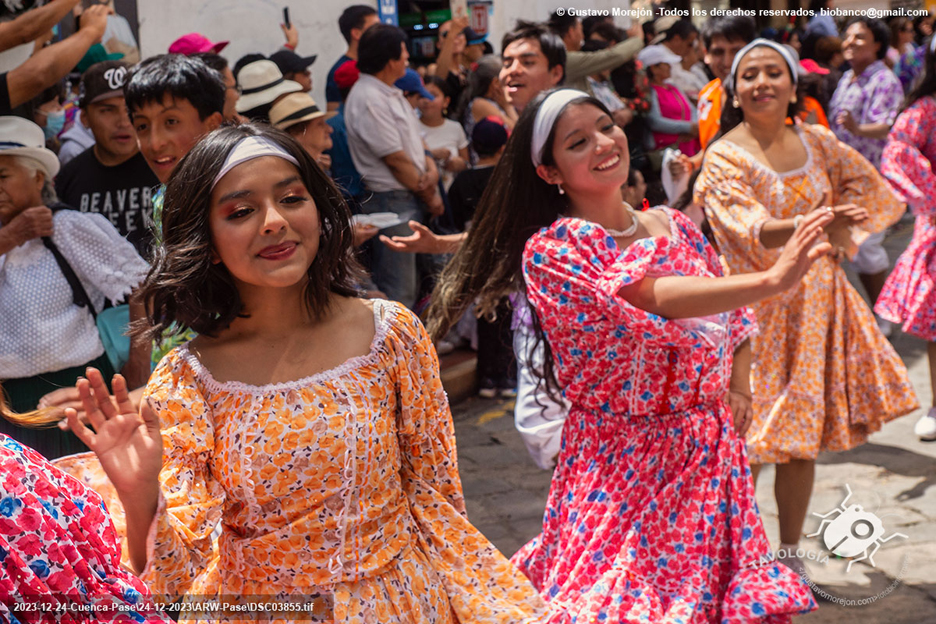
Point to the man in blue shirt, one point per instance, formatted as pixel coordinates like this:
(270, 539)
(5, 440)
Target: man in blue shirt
(353, 22)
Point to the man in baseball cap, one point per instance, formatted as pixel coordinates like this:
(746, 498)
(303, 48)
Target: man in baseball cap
(295, 67)
(111, 177)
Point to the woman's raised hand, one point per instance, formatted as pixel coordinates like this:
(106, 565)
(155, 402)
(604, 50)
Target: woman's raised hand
(805, 246)
(127, 443)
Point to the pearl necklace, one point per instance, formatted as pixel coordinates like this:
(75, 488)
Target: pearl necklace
(630, 229)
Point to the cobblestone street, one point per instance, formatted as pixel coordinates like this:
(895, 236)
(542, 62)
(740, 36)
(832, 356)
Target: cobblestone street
(892, 476)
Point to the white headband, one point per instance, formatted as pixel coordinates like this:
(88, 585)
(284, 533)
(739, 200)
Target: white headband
(794, 70)
(546, 118)
(249, 148)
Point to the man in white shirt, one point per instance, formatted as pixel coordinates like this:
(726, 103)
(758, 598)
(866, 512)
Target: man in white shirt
(388, 151)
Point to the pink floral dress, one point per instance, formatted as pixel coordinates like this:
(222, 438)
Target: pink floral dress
(59, 553)
(909, 295)
(651, 515)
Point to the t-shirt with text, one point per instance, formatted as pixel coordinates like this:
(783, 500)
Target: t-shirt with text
(122, 193)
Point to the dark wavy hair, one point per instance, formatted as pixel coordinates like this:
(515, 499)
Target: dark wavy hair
(515, 205)
(185, 290)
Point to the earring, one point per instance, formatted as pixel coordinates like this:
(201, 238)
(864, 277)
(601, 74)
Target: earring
(561, 191)
(736, 103)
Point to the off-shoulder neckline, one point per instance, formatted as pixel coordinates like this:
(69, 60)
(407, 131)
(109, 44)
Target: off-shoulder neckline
(804, 168)
(382, 318)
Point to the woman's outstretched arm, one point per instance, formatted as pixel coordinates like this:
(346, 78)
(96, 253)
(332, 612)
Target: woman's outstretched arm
(676, 297)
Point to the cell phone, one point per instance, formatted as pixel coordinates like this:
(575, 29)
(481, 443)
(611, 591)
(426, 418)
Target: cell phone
(286, 17)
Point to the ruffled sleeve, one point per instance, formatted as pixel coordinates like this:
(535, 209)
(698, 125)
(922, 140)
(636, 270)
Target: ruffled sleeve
(180, 546)
(903, 164)
(725, 189)
(855, 181)
(482, 585)
(425, 428)
(574, 271)
(103, 259)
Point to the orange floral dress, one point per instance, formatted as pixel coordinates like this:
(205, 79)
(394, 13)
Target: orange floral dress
(341, 489)
(823, 375)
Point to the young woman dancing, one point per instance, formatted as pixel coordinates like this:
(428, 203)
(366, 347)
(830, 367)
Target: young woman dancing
(311, 425)
(651, 514)
(824, 375)
(909, 295)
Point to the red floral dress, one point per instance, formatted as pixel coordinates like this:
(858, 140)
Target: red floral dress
(59, 553)
(909, 295)
(651, 515)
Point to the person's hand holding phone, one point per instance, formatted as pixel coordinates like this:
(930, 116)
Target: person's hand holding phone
(289, 31)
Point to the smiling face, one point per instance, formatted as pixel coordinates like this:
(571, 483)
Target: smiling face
(167, 130)
(860, 48)
(590, 153)
(525, 72)
(113, 132)
(764, 86)
(720, 55)
(264, 224)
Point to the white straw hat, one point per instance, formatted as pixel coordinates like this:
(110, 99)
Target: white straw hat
(261, 82)
(21, 137)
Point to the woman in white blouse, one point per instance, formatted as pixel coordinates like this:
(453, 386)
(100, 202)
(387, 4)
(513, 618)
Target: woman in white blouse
(46, 340)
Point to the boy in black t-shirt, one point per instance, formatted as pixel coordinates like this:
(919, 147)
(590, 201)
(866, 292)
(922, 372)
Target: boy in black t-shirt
(111, 177)
(488, 139)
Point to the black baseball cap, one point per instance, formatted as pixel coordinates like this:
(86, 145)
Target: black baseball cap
(102, 81)
(290, 63)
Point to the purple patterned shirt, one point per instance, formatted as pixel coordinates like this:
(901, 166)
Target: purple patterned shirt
(875, 97)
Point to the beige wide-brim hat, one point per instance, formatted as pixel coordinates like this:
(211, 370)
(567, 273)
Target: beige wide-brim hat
(21, 137)
(261, 82)
(661, 26)
(296, 108)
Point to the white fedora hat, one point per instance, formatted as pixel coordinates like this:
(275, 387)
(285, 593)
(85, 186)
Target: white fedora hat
(261, 82)
(21, 137)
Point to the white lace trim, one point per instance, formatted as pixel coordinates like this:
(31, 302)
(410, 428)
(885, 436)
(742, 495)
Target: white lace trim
(381, 325)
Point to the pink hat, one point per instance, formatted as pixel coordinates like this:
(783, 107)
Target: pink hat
(812, 67)
(194, 43)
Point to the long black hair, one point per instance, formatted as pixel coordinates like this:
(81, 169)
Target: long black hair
(515, 205)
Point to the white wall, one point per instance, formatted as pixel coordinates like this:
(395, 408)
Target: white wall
(253, 25)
